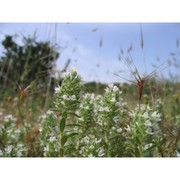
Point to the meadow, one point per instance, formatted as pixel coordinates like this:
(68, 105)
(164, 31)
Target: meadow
(78, 123)
(49, 117)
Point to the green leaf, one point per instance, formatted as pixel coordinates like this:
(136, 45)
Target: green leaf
(63, 140)
(72, 134)
(73, 125)
(62, 125)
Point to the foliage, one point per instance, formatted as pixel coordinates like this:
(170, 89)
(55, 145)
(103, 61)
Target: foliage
(23, 64)
(83, 124)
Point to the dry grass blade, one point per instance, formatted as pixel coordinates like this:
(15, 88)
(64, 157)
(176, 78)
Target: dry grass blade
(134, 71)
(158, 69)
(142, 40)
(94, 30)
(101, 42)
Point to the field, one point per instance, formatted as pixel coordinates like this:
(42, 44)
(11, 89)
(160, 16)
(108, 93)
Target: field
(43, 115)
(101, 122)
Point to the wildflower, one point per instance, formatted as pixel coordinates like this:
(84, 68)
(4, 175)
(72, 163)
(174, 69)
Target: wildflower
(101, 152)
(106, 109)
(85, 140)
(146, 115)
(46, 149)
(8, 149)
(177, 154)
(97, 141)
(111, 86)
(52, 139)
(119, 130)
(49, 112)
(115, 89)
(19, 153)
(156, 116)
(113, 99)
(148, 123)
(1, 153)
(73, 97)
(43, 116)
(100, 122)
(57, 89)
(116, 119)
(9, 117)
(147, 146)
(128, 128)
(149, 131)
(65, 97)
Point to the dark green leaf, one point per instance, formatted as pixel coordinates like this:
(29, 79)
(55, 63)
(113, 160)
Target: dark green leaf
(72, 134)
(62, 125)
(63, 140)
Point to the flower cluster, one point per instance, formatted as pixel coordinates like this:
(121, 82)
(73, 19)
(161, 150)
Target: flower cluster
(142, 129)
(11, 138)
(110, 108)
(86, 112)
(91, 147)
(68, 94)
(48, 140)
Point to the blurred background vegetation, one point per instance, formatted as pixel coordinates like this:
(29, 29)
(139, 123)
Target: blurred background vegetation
(28, 74)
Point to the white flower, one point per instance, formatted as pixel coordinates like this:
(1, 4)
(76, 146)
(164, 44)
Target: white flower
(128, 128)
(19, 153)
(156, 116)
(100, 122)
(115, 89)
(73, 70)
(149, 131)
(101, 152)
(8, 149)
(73, 97)
(111, 86)
(113, 128)
(43, 116)
(148, 123)
(86, 107)
(101, 109)
(62, 102)
(177, 154)
(85, 140)
(52, 139)
(116, 119)
(65, 97)
(147, 146)
(9, 117)
(145, 115)
(119, 130)
(113, 99)
(57, 89)
(20, 145)
(49, 112)
(92, 96)
(106, 109)
(1, 153)
(97, 141)
(120, 104)
(46, 148)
